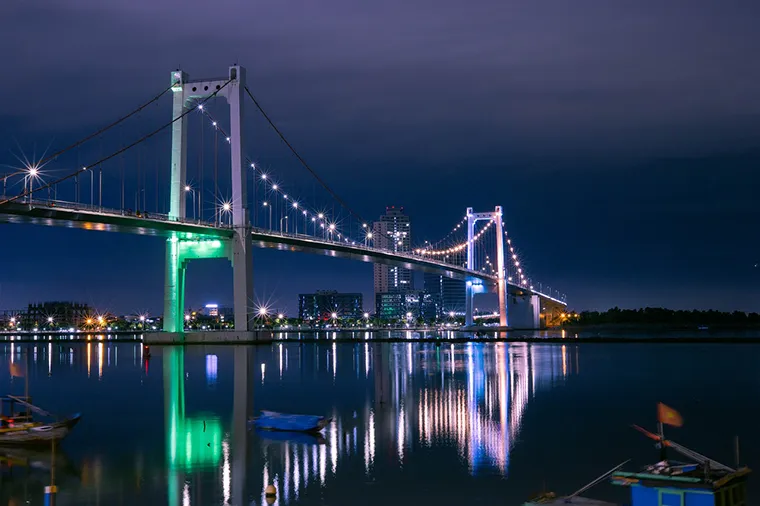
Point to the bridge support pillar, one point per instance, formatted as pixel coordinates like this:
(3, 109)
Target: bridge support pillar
(469, 290)
(238, 249)
(174, 288)
(525, 311)
(501, 269)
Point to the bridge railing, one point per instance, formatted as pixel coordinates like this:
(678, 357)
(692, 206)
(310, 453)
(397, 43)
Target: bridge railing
(95, 209)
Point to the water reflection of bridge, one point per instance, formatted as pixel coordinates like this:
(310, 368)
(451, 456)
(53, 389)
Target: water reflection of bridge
(474, 394)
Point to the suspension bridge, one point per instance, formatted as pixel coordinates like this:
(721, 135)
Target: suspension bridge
(200, 221)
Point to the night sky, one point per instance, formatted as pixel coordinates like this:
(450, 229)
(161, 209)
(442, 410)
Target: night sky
(622, 138)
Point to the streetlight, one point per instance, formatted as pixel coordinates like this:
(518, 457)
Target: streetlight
(367, 238)
(92, 185)
(266, 204)
(286, 224)
(189, 189)
(295, 222)
(226, 208)
(332, 229)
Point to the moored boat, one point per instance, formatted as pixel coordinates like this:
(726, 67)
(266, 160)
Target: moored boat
(274, 421)
(19, 428)
(700, 482)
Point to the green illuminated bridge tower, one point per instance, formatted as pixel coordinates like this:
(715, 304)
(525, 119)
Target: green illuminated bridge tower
(183, 247)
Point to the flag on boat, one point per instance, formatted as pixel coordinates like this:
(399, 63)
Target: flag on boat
(16, 370)
(668, 415)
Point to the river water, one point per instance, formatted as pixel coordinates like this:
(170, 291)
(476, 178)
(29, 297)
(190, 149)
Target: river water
(414, 423)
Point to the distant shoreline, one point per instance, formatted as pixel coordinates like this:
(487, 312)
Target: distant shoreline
(657, 327)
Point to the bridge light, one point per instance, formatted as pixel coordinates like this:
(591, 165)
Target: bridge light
(313, 219)
(280, 316)
(369, 235)
(253, 165)
(266, 204)
(228, 139)
(213, 123)
(364, 225)
(334, 316)
(366, 315)
(200, 107)
(332, 226)
(263, 176)
(285, 196)
(295, 205)
(187, 188)
(226, 206)
(50, 319)
(321, 215)
(274, 186)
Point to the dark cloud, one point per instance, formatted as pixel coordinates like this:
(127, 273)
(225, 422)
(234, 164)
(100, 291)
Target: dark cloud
(614, 133)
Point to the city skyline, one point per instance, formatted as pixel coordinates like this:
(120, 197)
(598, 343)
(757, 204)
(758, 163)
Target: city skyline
(617, 195)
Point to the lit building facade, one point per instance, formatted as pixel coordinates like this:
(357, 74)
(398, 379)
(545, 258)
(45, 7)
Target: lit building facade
(392, 232)
(321, 305)
(61, 314)
(397, 305)
(448, 293)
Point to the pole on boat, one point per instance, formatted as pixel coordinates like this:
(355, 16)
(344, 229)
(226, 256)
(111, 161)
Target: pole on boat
(736, 450)
(663, 450)
(26, 382)
(597, 480)
(51, 491)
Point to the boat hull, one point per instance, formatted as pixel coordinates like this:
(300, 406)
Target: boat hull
(281, 422)
(38, 434)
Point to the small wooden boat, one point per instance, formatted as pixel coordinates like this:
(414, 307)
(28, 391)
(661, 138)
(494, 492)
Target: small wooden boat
(274, 421)
(701, 481)
(19, 428)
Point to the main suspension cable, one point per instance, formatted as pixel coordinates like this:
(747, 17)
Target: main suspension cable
(112, 155)
(300, 159)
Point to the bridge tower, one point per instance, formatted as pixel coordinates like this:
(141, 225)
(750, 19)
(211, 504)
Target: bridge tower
(471, 288)
(182, 248)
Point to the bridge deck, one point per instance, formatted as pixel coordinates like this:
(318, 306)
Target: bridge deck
(72, 215)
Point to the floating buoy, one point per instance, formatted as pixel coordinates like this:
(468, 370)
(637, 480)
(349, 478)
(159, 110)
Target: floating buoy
(270, 491)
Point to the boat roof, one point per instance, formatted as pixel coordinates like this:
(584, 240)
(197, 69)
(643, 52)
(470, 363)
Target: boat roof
(679, 474)
(578, 501)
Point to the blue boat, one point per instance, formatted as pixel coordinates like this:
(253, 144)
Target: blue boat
(283, 422)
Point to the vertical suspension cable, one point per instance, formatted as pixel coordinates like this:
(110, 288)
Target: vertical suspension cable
(200, 175)
(217, 217)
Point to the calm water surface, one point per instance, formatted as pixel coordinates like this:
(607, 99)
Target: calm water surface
(414, 423)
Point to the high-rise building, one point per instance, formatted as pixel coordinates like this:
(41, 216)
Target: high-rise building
(392, 232)
(321, 305)
(448, 293)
